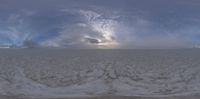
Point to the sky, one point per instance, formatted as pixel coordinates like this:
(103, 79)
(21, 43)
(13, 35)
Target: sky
(101, 24)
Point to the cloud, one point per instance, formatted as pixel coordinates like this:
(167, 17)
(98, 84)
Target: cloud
(158, 42)
(16, 31)
(92, 40)
(96, 29)
(101, 24)
(93, 31)
(30, 44)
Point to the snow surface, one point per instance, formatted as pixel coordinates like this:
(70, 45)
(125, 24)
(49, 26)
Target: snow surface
(72, 73)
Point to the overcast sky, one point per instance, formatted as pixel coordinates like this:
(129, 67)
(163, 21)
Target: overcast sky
(101, 23)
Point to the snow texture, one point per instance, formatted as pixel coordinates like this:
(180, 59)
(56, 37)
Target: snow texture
(74, 73)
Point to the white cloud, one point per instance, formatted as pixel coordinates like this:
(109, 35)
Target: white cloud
(95, 27)
(17, 31)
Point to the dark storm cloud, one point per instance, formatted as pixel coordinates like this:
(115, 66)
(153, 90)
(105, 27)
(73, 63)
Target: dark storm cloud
(116, 23)
(92, 40)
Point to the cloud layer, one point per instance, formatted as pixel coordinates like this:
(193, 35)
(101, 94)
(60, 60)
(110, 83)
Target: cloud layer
(100, 24)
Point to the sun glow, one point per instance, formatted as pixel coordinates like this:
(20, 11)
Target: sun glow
(106, 28)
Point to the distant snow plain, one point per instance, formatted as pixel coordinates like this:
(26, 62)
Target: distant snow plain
(62, 73)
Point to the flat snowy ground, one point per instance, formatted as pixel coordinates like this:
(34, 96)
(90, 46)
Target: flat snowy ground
(60, 73)
(113, 97)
